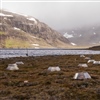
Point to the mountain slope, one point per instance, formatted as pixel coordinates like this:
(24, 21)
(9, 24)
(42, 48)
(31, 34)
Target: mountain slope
(95, 48)
(22, 31)
(85, 36)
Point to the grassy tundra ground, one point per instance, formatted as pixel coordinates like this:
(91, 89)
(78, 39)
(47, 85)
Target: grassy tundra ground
(44, 85)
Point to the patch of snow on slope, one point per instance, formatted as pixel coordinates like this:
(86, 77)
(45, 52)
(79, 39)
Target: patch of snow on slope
(94, 33)
(9, 15)
(4, 15)
(32, 19)
(80, 35)
(73, 44)
(1, 14)
(35, 44)
(15, 28)
(36, 47)
(68, 35)
(0, 23)
(5, 18)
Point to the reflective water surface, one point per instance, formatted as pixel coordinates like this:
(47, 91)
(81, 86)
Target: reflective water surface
(4, 53)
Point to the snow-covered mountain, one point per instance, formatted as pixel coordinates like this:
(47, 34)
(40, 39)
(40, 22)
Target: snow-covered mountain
(23, 31)
(85, 36)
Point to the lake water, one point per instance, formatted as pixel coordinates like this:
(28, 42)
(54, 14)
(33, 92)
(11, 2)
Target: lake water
(42, 52)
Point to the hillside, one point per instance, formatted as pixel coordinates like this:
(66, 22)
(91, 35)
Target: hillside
(84, 36)
(22, 31)
(95, 48)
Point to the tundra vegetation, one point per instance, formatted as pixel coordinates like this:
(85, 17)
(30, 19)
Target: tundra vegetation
(33, 82)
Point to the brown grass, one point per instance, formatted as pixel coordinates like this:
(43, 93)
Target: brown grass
(44, 85)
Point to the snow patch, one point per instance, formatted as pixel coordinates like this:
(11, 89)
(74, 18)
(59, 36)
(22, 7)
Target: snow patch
(9, 15)
(80, 35)
(32, 19)
(73, 44)
(36, 47)
(0, 23)
(15, 28)
(1, 14)
(35, 44)
(68, 35)
(94, 33)
(4, 15)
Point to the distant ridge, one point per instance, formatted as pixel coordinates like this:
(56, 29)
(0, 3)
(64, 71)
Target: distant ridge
(84, 36)
(95, 48)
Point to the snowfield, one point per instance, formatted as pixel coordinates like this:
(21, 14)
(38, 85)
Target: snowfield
(73, 43)
(68, 35)
(35, 44)
(32, 19)
(15, 28)
(4, 15)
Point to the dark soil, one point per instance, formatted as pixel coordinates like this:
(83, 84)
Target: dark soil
(44, 85)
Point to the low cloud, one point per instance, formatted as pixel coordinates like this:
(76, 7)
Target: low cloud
(59, 15)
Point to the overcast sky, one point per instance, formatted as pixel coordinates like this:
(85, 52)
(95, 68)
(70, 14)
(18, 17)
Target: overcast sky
(58, 15)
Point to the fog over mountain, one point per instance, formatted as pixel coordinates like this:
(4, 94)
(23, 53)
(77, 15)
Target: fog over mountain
(59, 15)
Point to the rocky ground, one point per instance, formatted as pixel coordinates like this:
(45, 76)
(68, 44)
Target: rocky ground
(33, 82)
